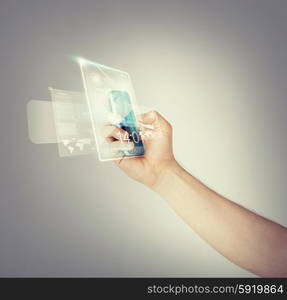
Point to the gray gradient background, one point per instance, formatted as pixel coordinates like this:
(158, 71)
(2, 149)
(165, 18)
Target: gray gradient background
(216, 69)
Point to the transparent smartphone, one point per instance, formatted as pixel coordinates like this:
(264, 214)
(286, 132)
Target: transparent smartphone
(120, 105)
(111, 100)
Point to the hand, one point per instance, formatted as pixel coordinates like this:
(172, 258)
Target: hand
(158, 157)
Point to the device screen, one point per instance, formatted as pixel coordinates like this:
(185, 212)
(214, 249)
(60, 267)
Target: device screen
(111, 99)
(120, 105)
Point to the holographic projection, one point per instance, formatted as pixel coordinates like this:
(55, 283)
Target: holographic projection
(83, 122)
(109, 93)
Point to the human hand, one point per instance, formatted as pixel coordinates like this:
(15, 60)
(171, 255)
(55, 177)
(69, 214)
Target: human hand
(158, 156)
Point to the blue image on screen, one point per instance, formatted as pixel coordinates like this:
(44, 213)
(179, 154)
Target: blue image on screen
(120, 104)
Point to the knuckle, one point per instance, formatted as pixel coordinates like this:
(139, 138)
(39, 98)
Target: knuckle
(155, 113)
(169, 126)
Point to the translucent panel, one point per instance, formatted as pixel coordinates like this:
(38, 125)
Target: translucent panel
(111, 100)
(73, 124)
(41, 124)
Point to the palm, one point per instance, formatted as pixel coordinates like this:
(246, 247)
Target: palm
(157, 153)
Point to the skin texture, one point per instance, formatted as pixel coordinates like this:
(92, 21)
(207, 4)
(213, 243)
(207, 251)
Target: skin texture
(252, 242)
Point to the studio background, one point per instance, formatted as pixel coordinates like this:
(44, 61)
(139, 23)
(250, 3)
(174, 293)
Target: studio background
(215, 69)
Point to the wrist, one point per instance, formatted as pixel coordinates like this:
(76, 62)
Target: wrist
(168, 170)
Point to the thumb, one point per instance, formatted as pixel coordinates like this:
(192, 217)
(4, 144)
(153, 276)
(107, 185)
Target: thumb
(155, 119)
